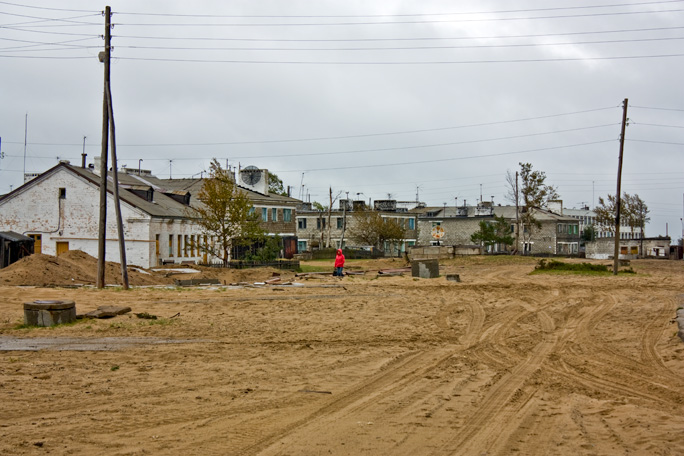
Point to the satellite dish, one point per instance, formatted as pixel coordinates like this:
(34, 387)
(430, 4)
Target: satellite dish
(250, 175)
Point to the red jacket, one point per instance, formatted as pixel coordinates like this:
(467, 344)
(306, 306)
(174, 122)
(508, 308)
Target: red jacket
(339, 259)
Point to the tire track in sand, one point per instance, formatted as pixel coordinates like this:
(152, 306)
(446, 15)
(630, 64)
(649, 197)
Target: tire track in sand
(393, 383)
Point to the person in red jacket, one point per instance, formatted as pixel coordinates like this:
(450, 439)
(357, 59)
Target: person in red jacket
(339, 264)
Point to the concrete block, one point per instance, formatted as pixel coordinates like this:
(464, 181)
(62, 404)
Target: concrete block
(425, 269)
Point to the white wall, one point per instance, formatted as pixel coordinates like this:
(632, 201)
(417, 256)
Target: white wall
(38, 209)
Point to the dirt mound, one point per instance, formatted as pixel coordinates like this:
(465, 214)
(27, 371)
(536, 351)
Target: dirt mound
(228, 276)
(71, 268)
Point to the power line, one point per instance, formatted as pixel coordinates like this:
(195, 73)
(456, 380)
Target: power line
(403, 22)
(418, 162)
(657, 125)
(473, 46)
(656, 142)
(47, 9)
(401, 15)
(277, 40)
(69, 20)
(31, 44)
(325, 138)
(659, 109)
(433, 62)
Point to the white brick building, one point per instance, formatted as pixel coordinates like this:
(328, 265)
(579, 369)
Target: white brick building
(60, 210)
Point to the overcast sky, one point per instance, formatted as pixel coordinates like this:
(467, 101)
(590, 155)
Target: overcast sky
(430, 98)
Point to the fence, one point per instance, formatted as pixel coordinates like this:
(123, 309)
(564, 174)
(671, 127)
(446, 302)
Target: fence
(349, 254)
(240, 264)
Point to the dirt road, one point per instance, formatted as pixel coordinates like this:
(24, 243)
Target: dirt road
(501, 363)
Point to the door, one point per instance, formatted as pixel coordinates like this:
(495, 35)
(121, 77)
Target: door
(62, 247)
(37, 242)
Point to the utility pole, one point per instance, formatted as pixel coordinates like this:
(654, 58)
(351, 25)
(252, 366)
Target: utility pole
(25, 141)
(618, 203)
(517, 214)
(102, 235)
(117, 201)
(344, 220)
(83, 154)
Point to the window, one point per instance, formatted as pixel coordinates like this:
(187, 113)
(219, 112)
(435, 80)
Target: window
(287, 215)
(301, 245)
(340, 222)
(156, 244)
(320, 223)
(62, 193)
(274, 214)
(301, 223)
(264, 214)
(170, 245)
(411, 224)
(180, 241)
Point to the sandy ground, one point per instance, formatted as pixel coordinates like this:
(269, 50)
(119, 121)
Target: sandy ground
(502, 363)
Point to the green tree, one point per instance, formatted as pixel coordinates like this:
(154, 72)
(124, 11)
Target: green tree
(269, 250)
(534, 194)
(371, 228)
(589, 234)
(275, 185)
(225, 214)
(633, 212)
(497, 232)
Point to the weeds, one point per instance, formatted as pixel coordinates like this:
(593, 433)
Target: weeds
(555, 266)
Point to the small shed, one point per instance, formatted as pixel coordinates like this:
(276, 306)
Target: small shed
(13, 247)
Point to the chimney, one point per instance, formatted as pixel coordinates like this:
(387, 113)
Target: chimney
(83, 160)
(556, 206)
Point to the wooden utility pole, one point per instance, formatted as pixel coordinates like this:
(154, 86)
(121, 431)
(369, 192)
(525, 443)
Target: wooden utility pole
(517, 217)
(117, 201)
(344, 220)
(102, 233)
(618, 203)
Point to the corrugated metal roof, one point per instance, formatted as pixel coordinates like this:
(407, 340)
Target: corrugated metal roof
(14, 237)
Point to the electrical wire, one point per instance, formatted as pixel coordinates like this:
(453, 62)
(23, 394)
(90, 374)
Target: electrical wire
(44, 8)
(433, 62)
(419, 162)
(655, 142)
(402, 15)
(403, 22)
(658, 109)
(326, 138)
(656, 125)
(473, 46)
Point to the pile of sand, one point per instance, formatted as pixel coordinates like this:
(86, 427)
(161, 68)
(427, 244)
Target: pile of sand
(74, 267)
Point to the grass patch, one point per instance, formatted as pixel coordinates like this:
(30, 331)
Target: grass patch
(159, 322)
(558, 267)
(61, 325)
(315, 268)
